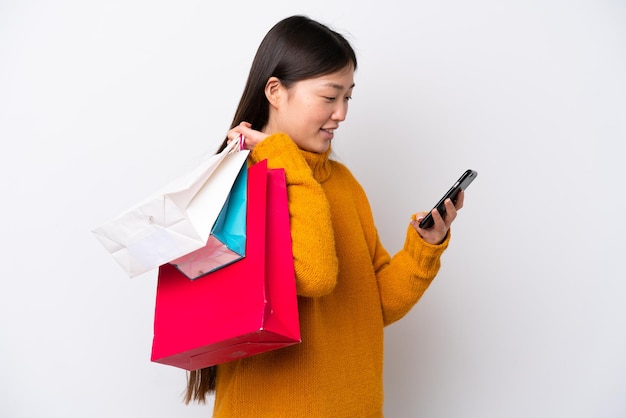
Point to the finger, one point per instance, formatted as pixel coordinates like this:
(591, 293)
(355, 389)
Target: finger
(437, 219)
(460, 198)
(233, 134)
(243, 128)
(416, 219)
(450, 209)
(451, 213)
(246, 130)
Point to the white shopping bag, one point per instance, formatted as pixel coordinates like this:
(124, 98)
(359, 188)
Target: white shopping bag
(175, 220)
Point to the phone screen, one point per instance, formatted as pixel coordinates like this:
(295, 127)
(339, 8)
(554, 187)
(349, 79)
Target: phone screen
(461, 184)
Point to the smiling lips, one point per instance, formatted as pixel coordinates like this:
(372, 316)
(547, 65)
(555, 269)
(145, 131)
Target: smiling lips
(329, 132)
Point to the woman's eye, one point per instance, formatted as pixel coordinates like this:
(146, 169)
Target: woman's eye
(332, 99)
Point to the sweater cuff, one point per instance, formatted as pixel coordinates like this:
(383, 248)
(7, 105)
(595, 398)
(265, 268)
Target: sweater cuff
(425, 254)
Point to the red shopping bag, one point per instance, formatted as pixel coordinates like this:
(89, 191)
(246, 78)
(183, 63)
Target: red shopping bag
(245, 308)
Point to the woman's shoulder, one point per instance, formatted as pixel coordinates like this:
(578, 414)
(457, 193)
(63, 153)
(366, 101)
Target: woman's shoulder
(341, 169)
(341, 172)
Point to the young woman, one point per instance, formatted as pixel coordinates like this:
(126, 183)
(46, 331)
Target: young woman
(349, 288)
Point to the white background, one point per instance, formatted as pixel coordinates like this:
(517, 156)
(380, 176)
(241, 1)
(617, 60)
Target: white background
(102, 102)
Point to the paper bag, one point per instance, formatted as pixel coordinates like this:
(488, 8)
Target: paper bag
(246, 308)
(175, 220)
(227, 242)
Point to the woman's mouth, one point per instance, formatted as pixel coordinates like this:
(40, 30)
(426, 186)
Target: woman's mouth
(328, 133)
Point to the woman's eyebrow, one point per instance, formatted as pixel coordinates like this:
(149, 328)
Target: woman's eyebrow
(339, 86)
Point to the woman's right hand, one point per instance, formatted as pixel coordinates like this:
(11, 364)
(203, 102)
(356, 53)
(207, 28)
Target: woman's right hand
(251, 136)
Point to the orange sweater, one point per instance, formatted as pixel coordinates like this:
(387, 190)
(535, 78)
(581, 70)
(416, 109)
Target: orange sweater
(348, 290)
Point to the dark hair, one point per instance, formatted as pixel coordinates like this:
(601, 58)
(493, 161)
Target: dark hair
(296, 48)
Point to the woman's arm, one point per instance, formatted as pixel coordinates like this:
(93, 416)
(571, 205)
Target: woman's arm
(403, 278)
(315, 258)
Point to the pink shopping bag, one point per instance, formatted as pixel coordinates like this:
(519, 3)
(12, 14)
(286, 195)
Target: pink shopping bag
(245, 308)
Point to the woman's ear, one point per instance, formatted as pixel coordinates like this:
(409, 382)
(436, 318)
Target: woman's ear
(273, 89)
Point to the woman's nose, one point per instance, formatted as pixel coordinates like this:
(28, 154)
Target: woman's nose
(340, 112)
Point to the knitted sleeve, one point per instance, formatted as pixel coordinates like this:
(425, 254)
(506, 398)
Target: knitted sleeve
(403, 281)
(403, 278)
(314, 254)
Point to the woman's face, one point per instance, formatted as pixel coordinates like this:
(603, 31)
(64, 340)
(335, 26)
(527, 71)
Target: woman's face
(310, 110)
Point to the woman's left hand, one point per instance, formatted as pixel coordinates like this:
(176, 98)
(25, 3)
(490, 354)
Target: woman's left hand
(436, 234)
(251, 137)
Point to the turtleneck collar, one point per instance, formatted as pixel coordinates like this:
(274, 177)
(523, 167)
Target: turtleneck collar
(319, 163)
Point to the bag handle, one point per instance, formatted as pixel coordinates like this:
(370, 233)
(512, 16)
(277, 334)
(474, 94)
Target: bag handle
(236, 145)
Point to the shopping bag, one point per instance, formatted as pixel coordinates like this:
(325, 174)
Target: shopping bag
(246, 308)
(227, 242)
(175, 220)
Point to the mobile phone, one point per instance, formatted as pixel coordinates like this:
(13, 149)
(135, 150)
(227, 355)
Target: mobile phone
(461, 184)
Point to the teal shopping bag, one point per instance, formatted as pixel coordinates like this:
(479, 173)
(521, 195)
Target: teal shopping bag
(227, 242)
(230, 226)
